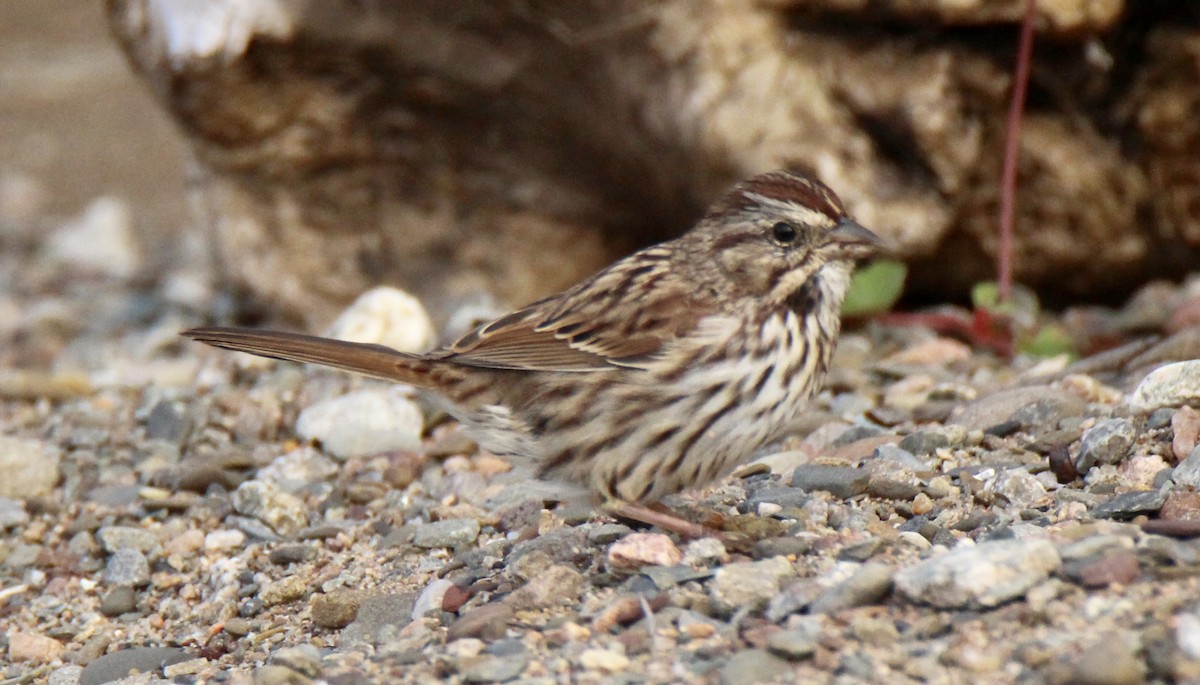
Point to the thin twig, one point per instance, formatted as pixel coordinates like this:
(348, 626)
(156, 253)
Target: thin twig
(1008, 181)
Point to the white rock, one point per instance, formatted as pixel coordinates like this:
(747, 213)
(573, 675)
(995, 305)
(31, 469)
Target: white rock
(430, 599)
(980, 576)
(1187, 635)
(363, 423)
(1171, 385)
(99, 240)
(748, 583)
(283, 512)
(386, 316)
(30, 467)
(221, 540)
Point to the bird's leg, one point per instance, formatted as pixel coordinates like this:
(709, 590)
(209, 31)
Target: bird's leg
(659, 516)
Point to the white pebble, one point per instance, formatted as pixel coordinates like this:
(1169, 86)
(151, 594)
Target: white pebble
(363, 423)
(386, 316)
(221, 540)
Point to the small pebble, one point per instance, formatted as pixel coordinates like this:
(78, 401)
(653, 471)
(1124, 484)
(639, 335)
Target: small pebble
(1112, 660)
(705, 552)
(363, 424)
(643, 549)
(430, 599)
(748, 584)
(797, 642)
(604, 660)
(127, 566)
(224, 540)
(557, 585)
(386, 316)
(753, 666)
(1107, 442)
(840, 481)
(118, 600)
(30, 467)
(285, 513)
(336, 609)
(870, 584)
(1171, 385)
(450, 533)
(34, 647)
(284, 590)
(979, 576)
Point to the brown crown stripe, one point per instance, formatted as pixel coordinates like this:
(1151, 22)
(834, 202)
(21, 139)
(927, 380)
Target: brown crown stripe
(786, 187)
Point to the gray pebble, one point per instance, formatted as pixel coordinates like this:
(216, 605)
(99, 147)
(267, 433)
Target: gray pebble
(753, 666)
(1036, 409)
(607, 533)
(22, 555)
(363, 423)
(869, 585)
(487, 668)
(119, 600)
(1160, 418)
(927, 440)
(772, 493)
(748, 584)
(556, 585)
(780, 547)
(12, 513)
(291, 554)
(30, 467)
(1112, 660)
(861, 551)
(168, 421)
(283, 512)
(127, 567)
(797, 642)
(900, 457)
(839, 481)
(979, 576)
(1187, 472)
(113, 538)
(303, 659)
(378, 616)
(488, 622)
(117, 665)
(665, 577)
(891, 488)
(450, 533)
(1130, 504)
(1107, 442)
(794, 597)
(67, 675)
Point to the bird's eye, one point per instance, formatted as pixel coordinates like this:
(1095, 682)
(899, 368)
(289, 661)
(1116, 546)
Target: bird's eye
(784, 232)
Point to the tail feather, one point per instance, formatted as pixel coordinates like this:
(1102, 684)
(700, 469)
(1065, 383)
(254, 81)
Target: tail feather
(376, 361)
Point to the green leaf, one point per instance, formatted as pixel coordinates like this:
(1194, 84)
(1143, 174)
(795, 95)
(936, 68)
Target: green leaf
(875, 288)
(1051, 340)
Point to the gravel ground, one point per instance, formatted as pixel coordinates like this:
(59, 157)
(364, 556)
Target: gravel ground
(942, 516)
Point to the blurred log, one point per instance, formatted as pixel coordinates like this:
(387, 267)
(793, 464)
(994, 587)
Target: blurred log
(513, 146)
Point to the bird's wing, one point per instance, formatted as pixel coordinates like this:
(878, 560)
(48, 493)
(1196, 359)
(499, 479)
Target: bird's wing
(623, 316)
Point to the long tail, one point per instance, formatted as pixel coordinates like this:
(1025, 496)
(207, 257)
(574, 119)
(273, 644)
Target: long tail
(370, 360)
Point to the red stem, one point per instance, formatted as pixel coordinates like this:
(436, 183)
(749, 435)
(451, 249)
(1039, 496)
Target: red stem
(1008, 181)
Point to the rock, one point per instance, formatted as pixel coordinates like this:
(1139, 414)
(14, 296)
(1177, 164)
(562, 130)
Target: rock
(1181, 505)
(869, 585)
(12, 513)
(928, 440)
(67, 675)
(302, 659)
(430, 599)
(493, 669)
(1130, 504)
(901, 457)
(224, 540)
(284, 590)
(1018, 487)
(450, 533)
(113, 538)
(284, 555)
(797, 642)
(891, 488)
(1187, 634)
(643, 549)
(117, 665)
(557, 585)
(386, 316)
(285, 513)
(363, 423)
(1103, 570)
(839, 481)
(119, 600)
(488, 622)
(606, 533)
(378, 616)
(1107, 442)
(705, 552)
(1035, 409)
(1170, 385)
(1185, 431)
(1112, 660)
(604, 660)
(30, 467)
(337, 608)
(98, 241)
(780, 547)
(35, 647)
(753, 666)
(748, 584)
(169, 421)
(1187, 472)
(979, 576)
(127, 567)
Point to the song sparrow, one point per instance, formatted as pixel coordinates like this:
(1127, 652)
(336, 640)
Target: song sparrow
(660, 373)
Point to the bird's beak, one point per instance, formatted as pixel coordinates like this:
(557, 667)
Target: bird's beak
(851, 241)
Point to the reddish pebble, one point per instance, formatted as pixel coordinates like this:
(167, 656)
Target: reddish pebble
(1186, 427)
(1181, 506)
(643, 549)
(454, 598)
(1119, 567)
